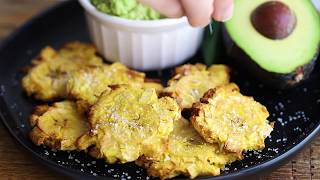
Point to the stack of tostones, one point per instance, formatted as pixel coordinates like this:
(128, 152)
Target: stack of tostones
(117, 114)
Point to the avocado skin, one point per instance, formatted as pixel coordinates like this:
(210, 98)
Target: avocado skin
(273, 80)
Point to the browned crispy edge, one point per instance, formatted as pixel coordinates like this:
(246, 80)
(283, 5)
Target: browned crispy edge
(187, 68)
(37, 136)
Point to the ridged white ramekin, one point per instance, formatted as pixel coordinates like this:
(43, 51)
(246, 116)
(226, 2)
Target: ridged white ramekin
(142, 45)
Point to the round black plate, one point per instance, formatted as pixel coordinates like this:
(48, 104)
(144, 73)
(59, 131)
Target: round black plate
(294, 111)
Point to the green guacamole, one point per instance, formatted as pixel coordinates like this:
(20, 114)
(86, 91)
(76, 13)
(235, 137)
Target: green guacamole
(130, 9)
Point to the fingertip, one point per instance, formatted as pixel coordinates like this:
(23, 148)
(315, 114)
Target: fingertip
(223, 10)
(198, 12)
(198, 22)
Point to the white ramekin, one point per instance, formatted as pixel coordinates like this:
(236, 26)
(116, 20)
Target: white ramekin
(142, 45)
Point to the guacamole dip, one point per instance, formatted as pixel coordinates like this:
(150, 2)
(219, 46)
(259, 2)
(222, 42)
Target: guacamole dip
(130, 9)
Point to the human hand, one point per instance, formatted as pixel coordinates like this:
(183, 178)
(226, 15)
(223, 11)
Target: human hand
(199, 12)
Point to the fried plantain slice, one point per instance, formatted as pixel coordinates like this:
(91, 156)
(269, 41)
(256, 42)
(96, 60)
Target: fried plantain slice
(190, 82)
(58, 126)
(153, 83)
(236, 122)
(88, 83)
(47, 78)
(187, 154)
(127, 122)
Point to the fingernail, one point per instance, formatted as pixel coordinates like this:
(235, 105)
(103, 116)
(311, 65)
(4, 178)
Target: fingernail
(228, 13)
(224, 14)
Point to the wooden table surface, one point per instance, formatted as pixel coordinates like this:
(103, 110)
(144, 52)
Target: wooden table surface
(17, 164)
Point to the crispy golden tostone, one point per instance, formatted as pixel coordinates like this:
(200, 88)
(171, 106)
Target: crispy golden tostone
(236, 122)
(153, 83)
(127, 122)
(58, 126)
(48, 77)
(192, 81)
(187, 154)
(87, 84)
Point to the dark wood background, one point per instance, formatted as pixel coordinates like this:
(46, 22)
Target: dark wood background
(15, 163)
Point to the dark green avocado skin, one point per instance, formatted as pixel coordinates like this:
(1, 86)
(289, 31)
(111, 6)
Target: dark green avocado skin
(274, 80)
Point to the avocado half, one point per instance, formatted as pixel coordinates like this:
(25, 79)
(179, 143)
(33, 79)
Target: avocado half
(278, 41)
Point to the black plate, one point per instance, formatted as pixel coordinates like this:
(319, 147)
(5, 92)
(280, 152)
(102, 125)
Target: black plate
(295, 111)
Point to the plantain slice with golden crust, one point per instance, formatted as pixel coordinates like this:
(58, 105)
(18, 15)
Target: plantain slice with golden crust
(87, 84)
(153, 83)
(236, 122)
(58, 126)
(127, 122)
(47, 78)
(187, 154)
(190, 82)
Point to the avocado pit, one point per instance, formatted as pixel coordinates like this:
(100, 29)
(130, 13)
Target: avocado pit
(274, 20)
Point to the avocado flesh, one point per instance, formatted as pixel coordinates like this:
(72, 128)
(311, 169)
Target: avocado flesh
(273, 80)
(286, 56)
